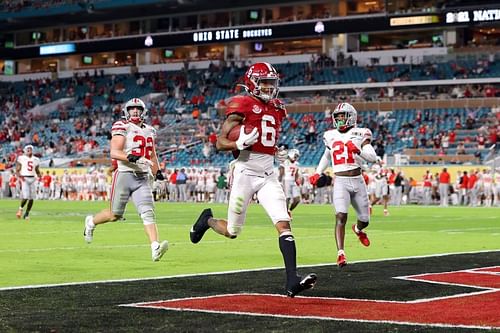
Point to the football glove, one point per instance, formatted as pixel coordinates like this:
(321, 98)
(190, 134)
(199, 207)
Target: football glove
(314, 179)
(246, 140)
(133, 158)
(145, 165)
(159, 175)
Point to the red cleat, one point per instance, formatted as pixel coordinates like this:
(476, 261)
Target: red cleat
(19, 213)
(363, 238)
(341, 260)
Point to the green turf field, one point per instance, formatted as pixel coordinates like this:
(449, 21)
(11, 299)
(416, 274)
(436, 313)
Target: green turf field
(50, 248)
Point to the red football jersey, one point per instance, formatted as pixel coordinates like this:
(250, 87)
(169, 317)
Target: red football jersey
(267, 117)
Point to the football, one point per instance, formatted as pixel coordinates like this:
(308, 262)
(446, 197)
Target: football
(234, 133)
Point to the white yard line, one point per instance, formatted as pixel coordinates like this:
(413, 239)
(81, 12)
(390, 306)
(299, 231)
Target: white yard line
(231, 272)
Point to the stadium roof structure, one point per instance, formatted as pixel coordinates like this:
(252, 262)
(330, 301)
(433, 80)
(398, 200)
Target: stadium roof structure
(112, 10)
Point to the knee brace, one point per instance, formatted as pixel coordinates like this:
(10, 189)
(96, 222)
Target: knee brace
(148, 217)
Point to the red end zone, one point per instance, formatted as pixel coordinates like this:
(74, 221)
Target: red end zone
(477, 309)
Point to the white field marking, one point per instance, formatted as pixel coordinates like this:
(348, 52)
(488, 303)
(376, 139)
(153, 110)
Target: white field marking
(31, 233)
(140, 305)
(234, 271)
(221, 241)
(176, 226)
(72, 248)
(89, 246)
(470, 229)
(485, 290)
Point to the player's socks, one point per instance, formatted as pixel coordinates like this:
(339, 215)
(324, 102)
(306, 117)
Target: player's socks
(155, 245)
(289, 252)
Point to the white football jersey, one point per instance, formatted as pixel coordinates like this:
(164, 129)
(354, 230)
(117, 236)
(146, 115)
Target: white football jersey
(341, 147)
(381, 177)
(291, 169)
(138, 141)
(28, 165)
(487, 179)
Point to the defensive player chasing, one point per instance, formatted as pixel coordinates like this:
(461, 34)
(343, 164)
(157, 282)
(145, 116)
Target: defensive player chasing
(27, 169)
(133, 146)
(290, 177)
(253, 170)
(344, 146)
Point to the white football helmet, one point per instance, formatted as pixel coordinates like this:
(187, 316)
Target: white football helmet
(293, 154)
(350, 117)
(134, 117)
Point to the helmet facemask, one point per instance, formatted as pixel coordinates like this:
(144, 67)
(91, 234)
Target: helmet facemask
(265, 88)
(344, 118)
(135, 114)
(135, 111)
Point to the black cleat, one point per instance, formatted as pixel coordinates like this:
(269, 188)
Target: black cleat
(201, 226)
(301, 284)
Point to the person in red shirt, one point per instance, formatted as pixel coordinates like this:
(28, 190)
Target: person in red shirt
(444, 185)
(13, 184)
(172, 186)
(427, 187)
(472, 189)
(46, 181)
(452, 136)
(259, 115)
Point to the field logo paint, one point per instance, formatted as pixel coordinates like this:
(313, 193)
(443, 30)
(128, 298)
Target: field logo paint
(478, 309)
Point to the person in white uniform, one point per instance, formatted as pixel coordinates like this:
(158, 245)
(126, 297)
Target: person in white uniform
(27, 169)
(347, 147)
(290, 177)
(133, 146)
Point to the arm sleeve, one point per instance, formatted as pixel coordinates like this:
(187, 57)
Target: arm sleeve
(368, 153)
(323, 163)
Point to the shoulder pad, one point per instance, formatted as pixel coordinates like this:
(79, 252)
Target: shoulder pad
(238, 104)
(120, 123)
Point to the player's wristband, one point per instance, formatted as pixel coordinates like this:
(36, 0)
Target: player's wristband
(133, 158)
